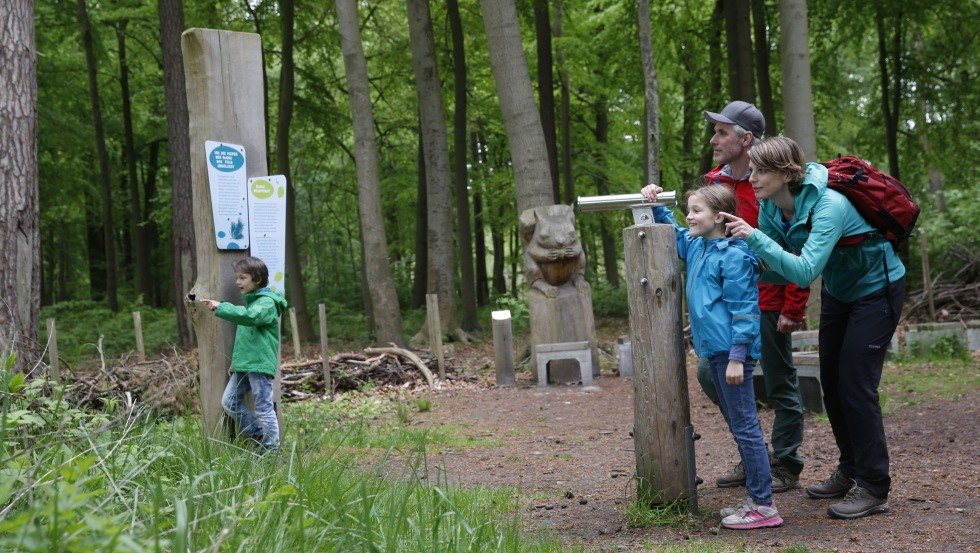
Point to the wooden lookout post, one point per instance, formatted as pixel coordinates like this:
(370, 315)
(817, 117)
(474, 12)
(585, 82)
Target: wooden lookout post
(223, 72)
(662, 412)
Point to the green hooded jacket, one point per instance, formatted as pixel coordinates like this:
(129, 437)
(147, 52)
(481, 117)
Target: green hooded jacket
(257, 338)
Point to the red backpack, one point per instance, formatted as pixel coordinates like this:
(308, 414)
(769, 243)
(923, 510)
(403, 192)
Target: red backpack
(884, 202)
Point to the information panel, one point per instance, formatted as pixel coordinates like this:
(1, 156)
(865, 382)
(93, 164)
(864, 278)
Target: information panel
(267, 232)
(226, 179)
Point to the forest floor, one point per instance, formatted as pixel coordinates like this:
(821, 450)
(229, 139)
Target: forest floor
(570, 454)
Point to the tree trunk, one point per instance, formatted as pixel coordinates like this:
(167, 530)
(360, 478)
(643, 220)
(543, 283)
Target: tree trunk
(715, 26)
(546, 90)
(482, 280)
(891, 84)
(294, 273)
(760, 26)
(499, 256)
(20, 270)
(441, 271)
(652, 94)
(137, 234)
(419, 283)
(741, 78)
(151, 233)
(610, 247)
(795, 68)
(522, 121)
(103, 155)
(465, 233)
(184, 263)
(566, 118)
(377, 270)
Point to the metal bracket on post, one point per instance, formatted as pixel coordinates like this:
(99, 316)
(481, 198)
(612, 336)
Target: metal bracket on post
(693, 480)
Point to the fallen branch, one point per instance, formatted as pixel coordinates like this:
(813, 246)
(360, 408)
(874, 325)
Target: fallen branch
(407, 355)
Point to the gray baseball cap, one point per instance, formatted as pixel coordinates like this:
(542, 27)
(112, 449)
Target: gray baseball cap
(742, 114)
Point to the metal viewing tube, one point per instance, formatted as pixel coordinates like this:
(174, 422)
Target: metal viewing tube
(636, 202)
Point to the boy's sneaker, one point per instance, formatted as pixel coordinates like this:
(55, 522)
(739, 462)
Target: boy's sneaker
(732, 478)
(836, 486)
(858, 503)
(782, 479)
(749, 516)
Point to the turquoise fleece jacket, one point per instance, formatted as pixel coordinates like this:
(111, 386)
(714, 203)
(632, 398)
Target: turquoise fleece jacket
(722, 292)
(801, 255)
(257, 337)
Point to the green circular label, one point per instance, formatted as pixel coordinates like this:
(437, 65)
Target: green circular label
(262, 189)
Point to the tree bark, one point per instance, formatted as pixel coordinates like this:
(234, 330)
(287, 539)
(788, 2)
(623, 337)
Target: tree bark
(652, 95)
(377, 270)
(103, 155)
(137, 233)
(419, 282)
(464, 230)
(184, 263)
(795, 68)
(610, 247)
(760, 26)
(566, 118)
(891, 82)
(20, 269)
(741, 78)
(294, 273)
(546, 90)
(522, 121)
(441, 271)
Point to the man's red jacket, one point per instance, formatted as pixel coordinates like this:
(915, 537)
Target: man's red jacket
(789, 299)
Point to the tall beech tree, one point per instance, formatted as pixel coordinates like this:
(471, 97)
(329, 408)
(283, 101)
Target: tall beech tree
(377, 270)
(20, 269)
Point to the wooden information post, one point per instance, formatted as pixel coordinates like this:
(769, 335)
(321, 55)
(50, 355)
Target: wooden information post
(223, 72)
(662, 412)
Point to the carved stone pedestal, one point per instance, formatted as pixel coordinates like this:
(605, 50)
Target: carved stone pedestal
(565, 318)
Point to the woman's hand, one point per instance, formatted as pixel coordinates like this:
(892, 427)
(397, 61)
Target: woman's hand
(736, 227)
(210, 304)
(735, 373)
(650, 192)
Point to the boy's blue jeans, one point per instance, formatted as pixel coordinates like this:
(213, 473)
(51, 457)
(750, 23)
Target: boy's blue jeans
(262, 424)
(738, 405)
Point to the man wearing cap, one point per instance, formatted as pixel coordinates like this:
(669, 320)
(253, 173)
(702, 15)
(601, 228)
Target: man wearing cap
(736, 129)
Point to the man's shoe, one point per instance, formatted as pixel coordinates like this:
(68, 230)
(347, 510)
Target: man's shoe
(782, 479)
(749, 516)
(733, 478)
(858, 503)
(835, 486)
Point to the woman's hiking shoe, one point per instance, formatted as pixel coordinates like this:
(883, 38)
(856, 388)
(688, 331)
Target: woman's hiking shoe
(748, 516)
(733, 478)
(858, 503)
(836, 486)
(782, 479)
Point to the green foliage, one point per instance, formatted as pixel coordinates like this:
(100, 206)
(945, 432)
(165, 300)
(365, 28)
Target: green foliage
(80, 323)
(519, 312)
(608, 301)
(135, 484)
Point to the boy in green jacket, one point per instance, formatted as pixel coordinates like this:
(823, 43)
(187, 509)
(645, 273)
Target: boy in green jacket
(255, 357)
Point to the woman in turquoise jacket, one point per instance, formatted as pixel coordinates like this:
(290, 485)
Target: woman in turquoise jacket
(800, 223)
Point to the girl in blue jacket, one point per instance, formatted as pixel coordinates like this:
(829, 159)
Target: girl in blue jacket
(723, 300)
(800, 223)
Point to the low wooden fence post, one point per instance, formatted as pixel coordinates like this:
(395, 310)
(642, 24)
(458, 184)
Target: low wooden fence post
(138, 328)
(327, 380)
(435, 332)
(53, 351)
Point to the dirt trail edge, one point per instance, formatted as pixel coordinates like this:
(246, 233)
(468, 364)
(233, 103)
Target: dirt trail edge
(571, 454)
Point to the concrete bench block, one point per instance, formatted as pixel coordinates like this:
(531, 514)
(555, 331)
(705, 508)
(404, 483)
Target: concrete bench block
(807, 371)
(577, 351)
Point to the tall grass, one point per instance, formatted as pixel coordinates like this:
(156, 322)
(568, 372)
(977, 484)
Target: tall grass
(76, 481)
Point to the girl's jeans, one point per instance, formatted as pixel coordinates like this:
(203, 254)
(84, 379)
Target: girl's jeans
(738, 406)
(261, 425)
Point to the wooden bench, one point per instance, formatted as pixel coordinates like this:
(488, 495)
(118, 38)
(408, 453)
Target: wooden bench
(578, 351)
